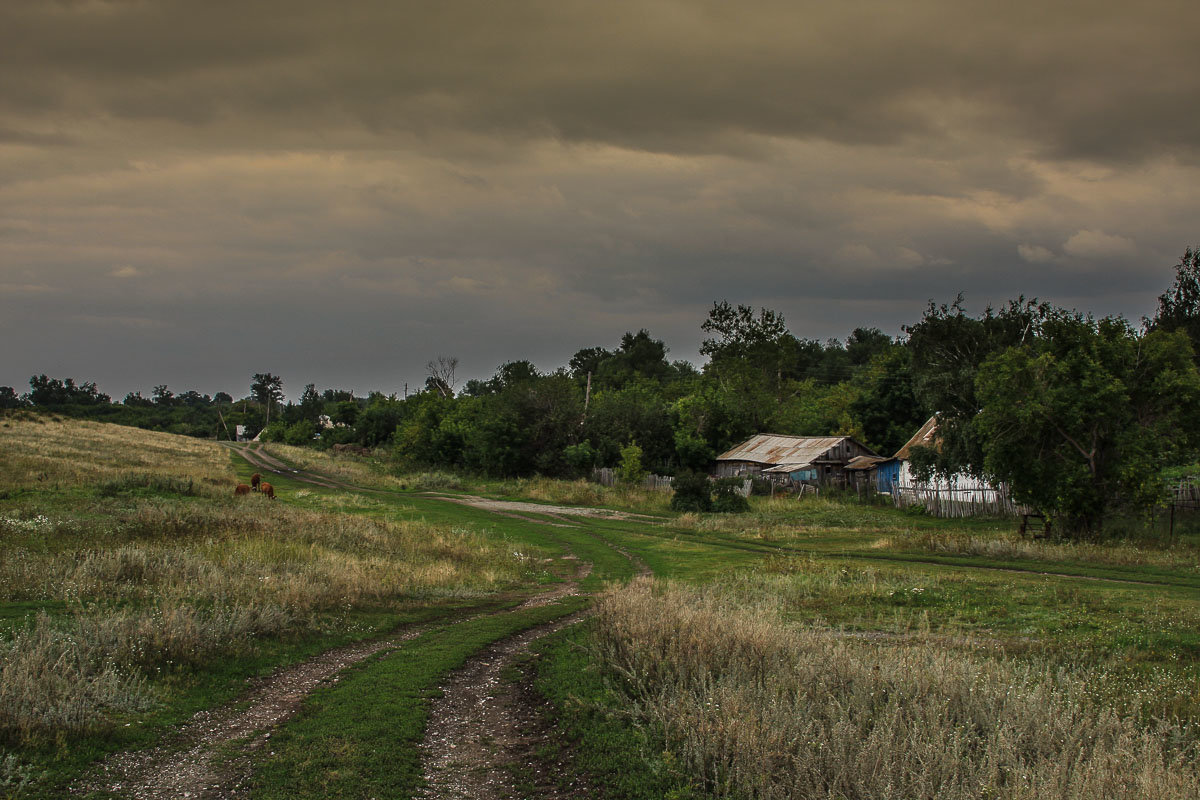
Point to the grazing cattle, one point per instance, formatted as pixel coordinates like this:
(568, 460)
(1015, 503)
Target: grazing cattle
(255, 480)
(267, 489)
(241, 488)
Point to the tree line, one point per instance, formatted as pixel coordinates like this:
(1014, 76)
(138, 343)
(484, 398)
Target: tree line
(1077, 415)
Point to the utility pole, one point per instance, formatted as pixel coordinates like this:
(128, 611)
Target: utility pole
(587, 396)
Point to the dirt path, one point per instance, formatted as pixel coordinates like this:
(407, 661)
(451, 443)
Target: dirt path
(187, 765)
(518, 507)
(264, 460)
(484, 733)
(184, 766)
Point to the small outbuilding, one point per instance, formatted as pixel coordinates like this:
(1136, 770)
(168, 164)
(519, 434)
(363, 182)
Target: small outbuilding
(792, 459)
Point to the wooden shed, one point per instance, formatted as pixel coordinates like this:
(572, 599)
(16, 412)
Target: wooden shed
(785, 459)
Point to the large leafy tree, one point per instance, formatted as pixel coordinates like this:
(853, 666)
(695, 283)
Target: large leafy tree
(1179, 306)
(947, 348)
(1082, 418)
(44, 391)
(267, 390)
(886, 405)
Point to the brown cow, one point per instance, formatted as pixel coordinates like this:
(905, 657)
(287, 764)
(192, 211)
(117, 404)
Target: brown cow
(267, 489)
(255, 480)
(241, 488)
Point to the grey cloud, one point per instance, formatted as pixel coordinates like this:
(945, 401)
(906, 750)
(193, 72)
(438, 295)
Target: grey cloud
(1098, 80)
(197, 191)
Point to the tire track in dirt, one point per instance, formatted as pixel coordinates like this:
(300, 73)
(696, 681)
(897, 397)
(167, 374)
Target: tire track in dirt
(189, 763)
(485, 733)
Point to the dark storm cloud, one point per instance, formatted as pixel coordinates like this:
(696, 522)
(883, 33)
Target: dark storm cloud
(1077, 79)
(338, 192)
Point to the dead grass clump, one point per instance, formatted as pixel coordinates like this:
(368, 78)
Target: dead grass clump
(74, 677)
(759, 709)
(50, 682)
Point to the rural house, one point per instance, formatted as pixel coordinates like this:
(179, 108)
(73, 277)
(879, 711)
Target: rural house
(959, 495)
(785, 459)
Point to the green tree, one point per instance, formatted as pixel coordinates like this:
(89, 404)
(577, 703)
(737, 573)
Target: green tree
(947, 348)
(300, 433)
(267, 391)
(312, 405)
(636, 411)
(44, 391)
(581, 458)
(1083, 418)
(886, 405)
(9, 398)
(1179, 306)
(163, 396)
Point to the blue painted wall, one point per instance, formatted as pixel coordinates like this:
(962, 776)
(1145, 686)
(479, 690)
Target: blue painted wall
(886, 475)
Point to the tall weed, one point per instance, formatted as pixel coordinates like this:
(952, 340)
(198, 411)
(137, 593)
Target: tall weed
(759, 709)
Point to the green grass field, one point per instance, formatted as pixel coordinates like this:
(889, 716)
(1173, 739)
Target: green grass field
(125, 555)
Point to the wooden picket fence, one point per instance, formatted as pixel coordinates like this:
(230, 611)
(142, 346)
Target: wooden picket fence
(1186, 494)
(607, 476)
(952, 502)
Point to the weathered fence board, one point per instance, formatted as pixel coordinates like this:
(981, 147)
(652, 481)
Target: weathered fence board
(606, 476)
(949, 501)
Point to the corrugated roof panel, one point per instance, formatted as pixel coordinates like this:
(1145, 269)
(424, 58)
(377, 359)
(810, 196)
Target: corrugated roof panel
(925, 437)
(770, 448)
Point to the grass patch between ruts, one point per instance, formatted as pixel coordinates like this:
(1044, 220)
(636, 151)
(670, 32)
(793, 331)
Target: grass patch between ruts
(358, 737)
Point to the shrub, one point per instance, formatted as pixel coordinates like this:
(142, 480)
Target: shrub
(692, 492)
(581, 458)
(630, 470)
(275, 432)
(300, 434)
(727, 497)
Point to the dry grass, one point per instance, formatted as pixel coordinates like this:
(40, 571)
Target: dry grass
(761, 709)
(586, 493)
(164, 569)
(249, 552)
(345, 467)
(45, 453)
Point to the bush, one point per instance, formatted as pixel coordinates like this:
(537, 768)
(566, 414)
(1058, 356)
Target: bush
(275, 432)
(727, 497)
(692, 492)
(300, 434)
(630, 470)
(581, 458)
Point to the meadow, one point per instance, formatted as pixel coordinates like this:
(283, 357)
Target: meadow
(132, 578)
(817, 647)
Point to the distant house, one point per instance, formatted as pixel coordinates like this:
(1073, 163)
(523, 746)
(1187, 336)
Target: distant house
(806, 459)
(960, 494)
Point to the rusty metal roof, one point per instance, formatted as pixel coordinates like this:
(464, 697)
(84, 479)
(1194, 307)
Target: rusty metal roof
(864, 462)
(926, 437)
(769, 448)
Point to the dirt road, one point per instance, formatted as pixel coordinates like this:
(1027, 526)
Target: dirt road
(479, 734)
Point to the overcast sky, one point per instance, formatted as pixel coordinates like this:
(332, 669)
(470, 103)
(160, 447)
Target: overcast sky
(191, 192)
